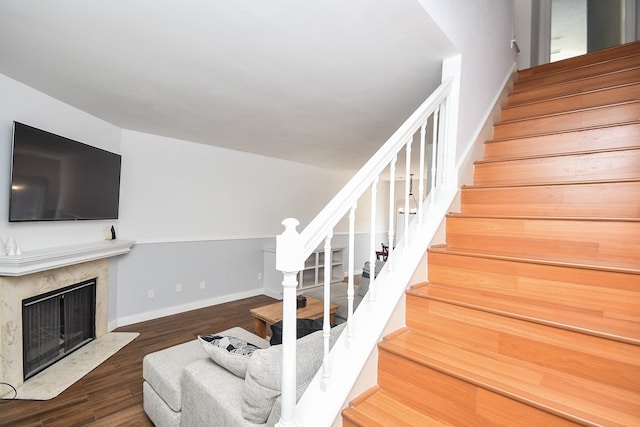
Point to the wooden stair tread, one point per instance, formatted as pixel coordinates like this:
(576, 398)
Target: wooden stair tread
(573, 111)
(621, 135)
(549, 184)
(549, 218)
(587, 99)
(611, 363)
(591, 58)
(485, 271)
(620, 267)
(513, 304)
(598, 165)
(564, 131)
(617, 113)
(517, 97)
(583, 71)
(616, 199)
(576, 241)
(558, 392)
(383, 410)
(548, 156)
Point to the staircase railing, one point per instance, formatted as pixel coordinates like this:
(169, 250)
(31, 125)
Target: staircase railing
(432, 125)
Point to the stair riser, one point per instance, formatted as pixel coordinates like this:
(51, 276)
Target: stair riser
(603, 138)
(604, 294)
(585, 357)
(615, 199)
(602, 166)
(614, 241)
(579, 73)
(574, 87)
(590, 59)
(588, 100)
(453, 400)
(616, 114)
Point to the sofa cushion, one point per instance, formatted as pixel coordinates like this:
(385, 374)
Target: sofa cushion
(230, 352)
(304, 327)
(163, 369)
(212, 396)
(263, 382)
(157, 409)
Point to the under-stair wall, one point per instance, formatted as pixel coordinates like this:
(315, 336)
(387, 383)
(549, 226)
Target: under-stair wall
(531, 312)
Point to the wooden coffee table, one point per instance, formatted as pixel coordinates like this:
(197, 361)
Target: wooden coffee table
(267, 315)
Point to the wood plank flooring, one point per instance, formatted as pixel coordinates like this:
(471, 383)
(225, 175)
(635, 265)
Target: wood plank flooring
(111, 395)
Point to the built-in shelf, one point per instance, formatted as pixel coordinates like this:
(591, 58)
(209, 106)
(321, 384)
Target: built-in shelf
(312, 275)
(49, 258)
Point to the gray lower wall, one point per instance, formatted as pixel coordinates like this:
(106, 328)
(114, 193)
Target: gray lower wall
(230, 270)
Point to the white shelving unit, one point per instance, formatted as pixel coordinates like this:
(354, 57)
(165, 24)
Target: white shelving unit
(311, 276)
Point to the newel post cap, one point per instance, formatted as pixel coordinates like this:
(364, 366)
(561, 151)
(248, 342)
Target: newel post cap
(289, 248)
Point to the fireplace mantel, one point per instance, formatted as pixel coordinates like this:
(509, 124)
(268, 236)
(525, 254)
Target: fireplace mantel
(46, 259)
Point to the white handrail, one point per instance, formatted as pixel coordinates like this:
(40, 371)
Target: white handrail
(316, 231)
(292, 248)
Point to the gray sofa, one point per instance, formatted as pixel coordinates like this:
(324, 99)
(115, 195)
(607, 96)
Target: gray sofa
(183, 386)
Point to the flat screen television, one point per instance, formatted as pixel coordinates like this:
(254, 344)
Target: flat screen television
(54, 178)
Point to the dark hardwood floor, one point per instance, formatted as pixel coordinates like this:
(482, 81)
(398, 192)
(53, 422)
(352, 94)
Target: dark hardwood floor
(111, 395)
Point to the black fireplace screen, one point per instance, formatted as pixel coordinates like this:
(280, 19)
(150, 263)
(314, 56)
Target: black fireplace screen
(57, 323)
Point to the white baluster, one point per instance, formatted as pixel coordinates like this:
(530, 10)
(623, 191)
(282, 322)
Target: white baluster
(326, 325)
(350, 284)
(434, 155)
(407, 186)
(444, 143)
(372, 243)
(421, 183)
(289, 260)
(392, 210)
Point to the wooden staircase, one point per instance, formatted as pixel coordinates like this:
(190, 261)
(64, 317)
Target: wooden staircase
(531, 316)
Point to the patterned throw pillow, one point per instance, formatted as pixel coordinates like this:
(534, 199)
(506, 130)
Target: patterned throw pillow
(229, 352)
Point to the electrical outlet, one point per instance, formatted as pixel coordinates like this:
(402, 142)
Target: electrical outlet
(259, 276)
(203, 285)
(151, 293)
(178, 287)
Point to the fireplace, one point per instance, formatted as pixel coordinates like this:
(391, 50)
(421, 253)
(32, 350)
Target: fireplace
(57, 323)
(15, 290)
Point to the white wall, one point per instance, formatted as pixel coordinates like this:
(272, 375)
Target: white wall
(175, 190)
(481, 31)
(523, 31)
(24, 104)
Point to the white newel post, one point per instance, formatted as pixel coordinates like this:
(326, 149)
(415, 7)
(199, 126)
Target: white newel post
(289, 260)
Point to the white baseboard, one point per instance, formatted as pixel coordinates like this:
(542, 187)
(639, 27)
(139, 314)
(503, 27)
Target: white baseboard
(150, 315)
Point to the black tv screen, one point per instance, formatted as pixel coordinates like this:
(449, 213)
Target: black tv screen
(54, 178)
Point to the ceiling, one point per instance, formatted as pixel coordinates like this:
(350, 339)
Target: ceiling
(322, 83)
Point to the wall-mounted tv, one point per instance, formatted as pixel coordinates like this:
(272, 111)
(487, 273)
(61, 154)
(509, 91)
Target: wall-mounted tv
(54, 178)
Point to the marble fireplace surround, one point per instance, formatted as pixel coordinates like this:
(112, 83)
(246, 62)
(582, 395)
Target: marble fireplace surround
(38, 272)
